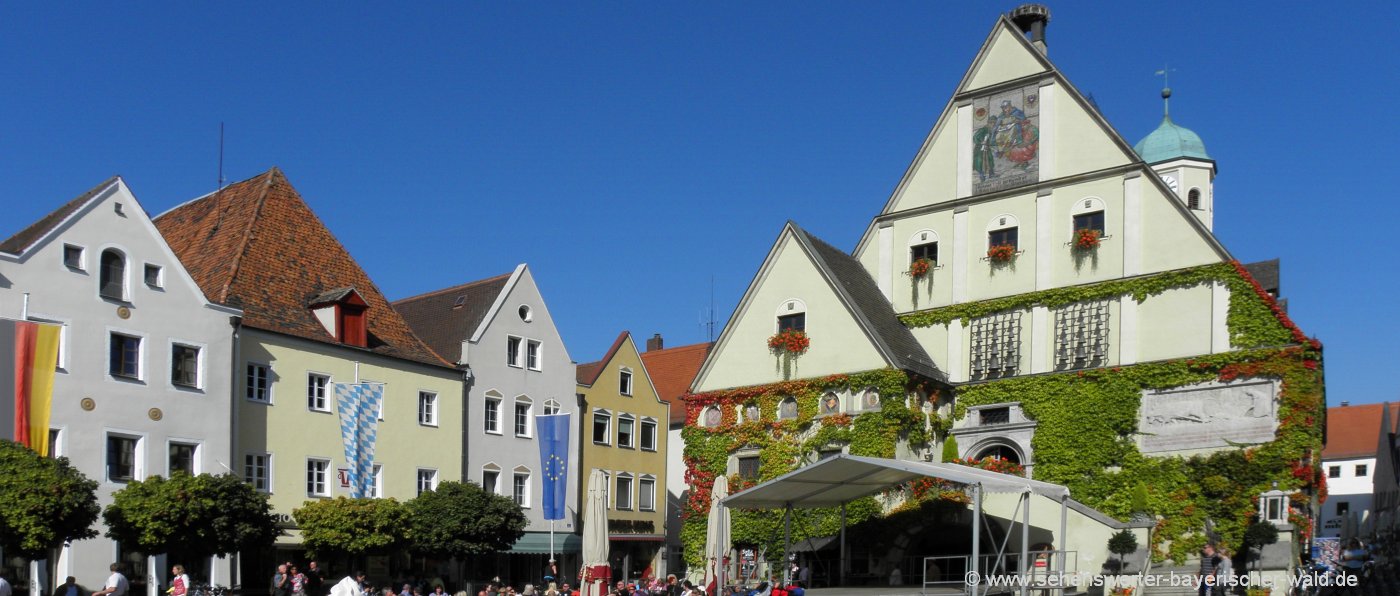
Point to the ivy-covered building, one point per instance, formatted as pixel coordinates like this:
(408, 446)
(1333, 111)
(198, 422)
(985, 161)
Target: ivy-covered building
(1039, 291)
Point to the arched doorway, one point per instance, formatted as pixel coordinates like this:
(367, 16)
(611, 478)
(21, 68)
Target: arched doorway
(998, 450)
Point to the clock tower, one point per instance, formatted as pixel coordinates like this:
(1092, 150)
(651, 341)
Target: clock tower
(1179, 157)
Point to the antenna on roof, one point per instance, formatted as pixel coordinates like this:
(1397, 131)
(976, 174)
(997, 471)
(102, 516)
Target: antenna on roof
(219, 188)
(707, 317)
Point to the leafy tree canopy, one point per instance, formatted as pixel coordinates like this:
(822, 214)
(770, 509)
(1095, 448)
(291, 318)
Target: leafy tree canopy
(460, 519)
(200, 515)
(43, 502)
(352, 526)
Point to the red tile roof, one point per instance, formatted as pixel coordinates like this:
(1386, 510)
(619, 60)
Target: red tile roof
(672, 370)
(1354, 431)
(447, 317)
(587, 374)
(256, 245)
(28, 236)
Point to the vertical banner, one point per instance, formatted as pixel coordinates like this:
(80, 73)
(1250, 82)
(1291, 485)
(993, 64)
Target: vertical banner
(358, 407)
(28, 356)
(553, 433)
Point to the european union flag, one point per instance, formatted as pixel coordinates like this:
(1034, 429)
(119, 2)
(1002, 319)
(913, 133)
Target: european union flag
(554, 461)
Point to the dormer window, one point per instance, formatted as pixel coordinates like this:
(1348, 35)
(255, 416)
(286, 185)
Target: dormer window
(342, 313)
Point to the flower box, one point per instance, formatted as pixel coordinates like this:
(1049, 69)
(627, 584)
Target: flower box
(1001, 253)
(920, 268)
(1086, 239)
(791, 341)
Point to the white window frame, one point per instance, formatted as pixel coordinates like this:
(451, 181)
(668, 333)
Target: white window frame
(248, 385)
(431, 478)
(646, 487)
(141, 343)
(642, 433)
(1278, 497)
(534, 350)
(625, 379)
(492, 401)
(138, 456)
(62, 363)
(593, 421)
(264, 459)
(160, 276)
(632, 438)
(529, 417)
(624, 495)
(324, 482)
(57, 437)
(195, 467)
(513, 352)
(376, 486)
(427, 408)
(199, 363)
(383, 395)
(524, 498)
(607, 488)
(495, 487)
(125, 254)
(82, 257)
(325, 389)
(551, 407)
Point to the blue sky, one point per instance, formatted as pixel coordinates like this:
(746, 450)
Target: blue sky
(632, 152)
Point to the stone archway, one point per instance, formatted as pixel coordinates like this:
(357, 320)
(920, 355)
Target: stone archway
(999, 448)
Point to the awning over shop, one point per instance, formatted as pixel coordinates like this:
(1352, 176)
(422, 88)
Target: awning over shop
(537, 543)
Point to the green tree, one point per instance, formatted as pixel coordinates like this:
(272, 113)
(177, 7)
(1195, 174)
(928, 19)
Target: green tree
(1123, 543)
(1258, 535)
(44, 502)
(950, 448)
(460, 519)
(200, 515)
(344, 526)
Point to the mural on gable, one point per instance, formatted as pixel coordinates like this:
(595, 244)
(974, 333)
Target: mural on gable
(1006, 140)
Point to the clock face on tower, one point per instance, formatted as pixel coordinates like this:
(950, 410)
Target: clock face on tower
(1170, 180)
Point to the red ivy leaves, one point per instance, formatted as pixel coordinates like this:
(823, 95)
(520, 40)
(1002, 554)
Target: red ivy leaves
(1282, 316)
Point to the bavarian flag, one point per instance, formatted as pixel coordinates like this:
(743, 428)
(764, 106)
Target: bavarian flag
(554, 462)
(28, 355)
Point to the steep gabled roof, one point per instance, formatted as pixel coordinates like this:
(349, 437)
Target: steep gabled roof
(869, 306)
(587, 374)
(25, 238)
(447, 317)
(672, 371)
(258, 246)
(1354, 431)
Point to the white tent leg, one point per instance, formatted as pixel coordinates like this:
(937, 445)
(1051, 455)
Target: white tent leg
(841, 564)
(1025, 543)
(976, 538)
(1064, 548)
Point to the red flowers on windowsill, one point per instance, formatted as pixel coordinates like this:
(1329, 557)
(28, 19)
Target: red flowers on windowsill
(1086, 239)
(920, 268)
(792, 341)
(1001, 253)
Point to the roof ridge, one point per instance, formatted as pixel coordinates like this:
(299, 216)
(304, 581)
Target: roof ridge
(44, 224)
(450, 289)
(247, 232)
(705, 344)
(609, 355)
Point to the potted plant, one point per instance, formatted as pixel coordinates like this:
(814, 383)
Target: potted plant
(920, 268)
(1001, 253)
(790, 341)
(1087, 239)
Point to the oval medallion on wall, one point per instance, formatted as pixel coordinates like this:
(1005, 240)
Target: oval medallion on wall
(155, 414)
(123, 312)
(87, 404)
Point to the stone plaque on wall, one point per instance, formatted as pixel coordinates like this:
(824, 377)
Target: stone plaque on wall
(1210, 416)
(1006, 140)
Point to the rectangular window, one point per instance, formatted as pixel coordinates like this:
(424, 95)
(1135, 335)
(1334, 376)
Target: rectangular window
(73, 257)
(520, 489)
(532, 354)
(427, 480)
(996, 345)
(376, 486)
(55, 437)
(646, 494)
(1334, 471)
(181, 458)
(493, 416)
(796, 322)
(522, 419)
(626, 427)
(121, 458)
(994, 415)
(1361, 470)
(624, 492)
(258, 388)
(184, 365)
(1081, 334)
(513, 351)
(1003, 236)
(427, 408)
(152, 275)
(1089, 221)
(924, 251)
(602, 431)
(257, 469)
(316, 392)
(551, 408)
(624, 382)
(62, 363)
(1274, 508)
(125, 357)
(316, 485)
(648, 434)
(1343, 508)
(748, 467)
(489, 480)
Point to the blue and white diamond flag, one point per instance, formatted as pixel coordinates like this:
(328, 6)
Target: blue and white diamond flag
(358, 405)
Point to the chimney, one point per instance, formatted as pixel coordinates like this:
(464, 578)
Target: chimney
(1032, 19)
(1345, 404)
(655, 342)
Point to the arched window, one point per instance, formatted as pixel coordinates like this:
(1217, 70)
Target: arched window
(112, 275)
(787, 409)
(751, 412)
(830, 404)
(870, 399)
(711, 417)
(924, 245)
(1001, 452)
(1193, 199)
(1002, 229)
(792, 314)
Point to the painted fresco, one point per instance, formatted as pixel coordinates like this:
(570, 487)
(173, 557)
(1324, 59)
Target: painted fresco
(1006, 140)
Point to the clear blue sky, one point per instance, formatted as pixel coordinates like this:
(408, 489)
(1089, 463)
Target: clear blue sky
(630, 152)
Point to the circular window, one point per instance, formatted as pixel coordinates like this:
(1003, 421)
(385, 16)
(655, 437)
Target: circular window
(526, 314)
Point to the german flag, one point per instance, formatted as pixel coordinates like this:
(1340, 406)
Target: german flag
(28, 355)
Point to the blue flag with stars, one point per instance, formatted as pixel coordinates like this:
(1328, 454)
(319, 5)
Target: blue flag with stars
(554, 461)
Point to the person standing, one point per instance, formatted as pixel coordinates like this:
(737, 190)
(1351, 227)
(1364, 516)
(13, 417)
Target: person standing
(5, 589)
(281, 582)
(179, 583)
(69, 588)
(116, 583)
(1224, 573)
(314, 580)
(1206, 577)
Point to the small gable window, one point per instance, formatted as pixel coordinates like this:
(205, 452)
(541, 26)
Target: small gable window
(1089, 221)
(924, 245)
(342, 313)
(796, 322)
(1193, 199)
(112, 275)
(1005, 236)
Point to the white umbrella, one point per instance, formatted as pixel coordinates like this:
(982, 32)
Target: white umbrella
(717, 535)
(595, 575)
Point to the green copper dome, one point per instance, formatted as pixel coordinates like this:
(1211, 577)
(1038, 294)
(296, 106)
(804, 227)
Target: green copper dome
(1170, 142)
